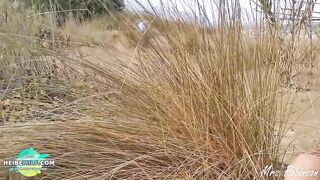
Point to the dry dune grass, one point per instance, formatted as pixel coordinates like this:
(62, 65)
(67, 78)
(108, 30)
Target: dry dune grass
(194, 112)
(192, 103)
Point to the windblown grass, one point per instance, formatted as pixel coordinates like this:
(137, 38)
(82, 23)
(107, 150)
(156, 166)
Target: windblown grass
(194, 103)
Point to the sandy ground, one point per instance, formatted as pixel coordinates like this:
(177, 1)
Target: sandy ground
(304, 121)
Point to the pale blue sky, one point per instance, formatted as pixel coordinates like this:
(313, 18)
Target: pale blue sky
(187, 6)
(183, 6)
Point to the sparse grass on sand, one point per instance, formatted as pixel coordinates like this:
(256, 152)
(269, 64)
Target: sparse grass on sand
(193, 103)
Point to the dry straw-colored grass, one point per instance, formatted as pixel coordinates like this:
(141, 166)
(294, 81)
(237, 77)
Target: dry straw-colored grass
(194, 103)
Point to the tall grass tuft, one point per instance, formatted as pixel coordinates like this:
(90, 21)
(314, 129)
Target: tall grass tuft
(196, 102)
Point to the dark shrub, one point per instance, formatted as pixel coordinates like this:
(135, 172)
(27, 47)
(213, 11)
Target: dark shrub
(79, 9)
